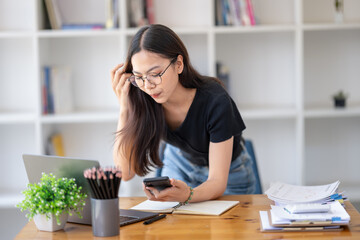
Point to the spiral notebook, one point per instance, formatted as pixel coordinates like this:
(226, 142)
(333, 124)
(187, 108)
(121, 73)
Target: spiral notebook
(211, 207)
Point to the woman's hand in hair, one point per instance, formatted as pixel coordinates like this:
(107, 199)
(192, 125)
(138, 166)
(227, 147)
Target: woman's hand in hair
(120, 84)
(179, 192)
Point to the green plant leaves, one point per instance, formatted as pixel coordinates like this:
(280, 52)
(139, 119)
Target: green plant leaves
(52, 196)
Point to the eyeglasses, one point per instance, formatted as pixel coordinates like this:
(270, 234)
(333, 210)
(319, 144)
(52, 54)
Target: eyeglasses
(156, 79)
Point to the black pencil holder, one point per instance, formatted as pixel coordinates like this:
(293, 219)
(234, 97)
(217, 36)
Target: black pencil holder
(105, 217)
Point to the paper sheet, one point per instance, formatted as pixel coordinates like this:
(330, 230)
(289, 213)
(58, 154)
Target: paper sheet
(282, 192)
(279, 215)
(265, 221)
(154, 206)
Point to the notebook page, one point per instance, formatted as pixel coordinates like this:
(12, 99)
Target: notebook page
(155, 206)
(212, 207)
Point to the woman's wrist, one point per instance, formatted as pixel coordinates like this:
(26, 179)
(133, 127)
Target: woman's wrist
(191, 193)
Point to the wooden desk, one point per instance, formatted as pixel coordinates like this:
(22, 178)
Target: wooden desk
(241, 222)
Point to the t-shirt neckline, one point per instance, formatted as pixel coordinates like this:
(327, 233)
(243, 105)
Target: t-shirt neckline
(187, 114)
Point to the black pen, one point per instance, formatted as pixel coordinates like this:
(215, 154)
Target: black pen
(158, 217)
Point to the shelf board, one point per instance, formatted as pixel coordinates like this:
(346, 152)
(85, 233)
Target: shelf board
(81, 117)
(275, 113)
(330, 26)
(254, 29)
(78, 33)
(14, 117)
(225, 29)
(327, 112)
(15, 34)
(179, 30)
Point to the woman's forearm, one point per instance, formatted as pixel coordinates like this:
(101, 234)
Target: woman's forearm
(121, 155)
(211, 189)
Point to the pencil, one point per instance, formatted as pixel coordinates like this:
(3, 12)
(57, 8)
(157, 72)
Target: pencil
(104, 180)
(102, 187)
(118, 181)
(101, 196)
(91, 188)
(94, 185)
(111, 177)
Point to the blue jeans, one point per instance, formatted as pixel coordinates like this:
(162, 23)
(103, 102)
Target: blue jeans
(241, 178)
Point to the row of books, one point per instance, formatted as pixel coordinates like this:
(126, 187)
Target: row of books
(235, 13)
(304, 208)
(56, 90)
(94, 14)
(81, 14)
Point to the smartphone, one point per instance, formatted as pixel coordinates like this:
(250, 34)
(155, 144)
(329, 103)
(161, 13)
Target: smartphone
(160, 183)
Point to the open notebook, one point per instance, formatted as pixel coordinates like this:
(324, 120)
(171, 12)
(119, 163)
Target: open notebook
(212, 207)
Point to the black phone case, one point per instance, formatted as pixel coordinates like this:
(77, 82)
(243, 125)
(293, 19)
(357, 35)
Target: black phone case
(160, 183)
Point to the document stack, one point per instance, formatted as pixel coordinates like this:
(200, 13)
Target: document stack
(282, 193)
(304, 208)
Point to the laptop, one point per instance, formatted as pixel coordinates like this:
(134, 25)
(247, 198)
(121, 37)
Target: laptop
(68, 167)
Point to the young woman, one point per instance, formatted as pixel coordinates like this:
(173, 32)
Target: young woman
(164, 99)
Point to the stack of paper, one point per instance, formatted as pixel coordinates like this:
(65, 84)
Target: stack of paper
(337, 214)
(279, 218)
(282, 193)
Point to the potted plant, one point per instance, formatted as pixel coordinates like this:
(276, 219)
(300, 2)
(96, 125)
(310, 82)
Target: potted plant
(339, 11)
(51, 201)
(340, 99)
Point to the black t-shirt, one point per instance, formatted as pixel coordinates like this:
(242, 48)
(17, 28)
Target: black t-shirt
(212, 117)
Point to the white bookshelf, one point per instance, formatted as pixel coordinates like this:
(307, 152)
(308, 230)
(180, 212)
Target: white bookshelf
(282, 75)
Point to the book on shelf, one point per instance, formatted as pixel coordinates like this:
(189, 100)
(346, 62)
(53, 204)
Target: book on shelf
(244, 15)
(55, 145)
(250, 11)
(234, 13)
(82, 26)
(53, 13)
(141, 12)
(227, 18)
(57, 90)
(150, 11)
(219, 21)
(47, 97)
(137, 13)
(111, 14)
(45, 18)
(211, 207)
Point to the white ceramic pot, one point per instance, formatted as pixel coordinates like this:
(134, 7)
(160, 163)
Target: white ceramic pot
(50, 225)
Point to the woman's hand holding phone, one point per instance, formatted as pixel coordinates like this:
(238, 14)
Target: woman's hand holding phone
(177, 191)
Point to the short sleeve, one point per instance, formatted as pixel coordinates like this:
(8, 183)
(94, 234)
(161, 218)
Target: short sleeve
(224, 119)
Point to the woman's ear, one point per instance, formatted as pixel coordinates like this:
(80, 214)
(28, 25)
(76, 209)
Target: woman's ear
(179, 64)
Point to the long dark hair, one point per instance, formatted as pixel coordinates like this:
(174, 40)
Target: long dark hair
(145, 126)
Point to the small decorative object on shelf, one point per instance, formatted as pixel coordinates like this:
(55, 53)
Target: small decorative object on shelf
(340, 99)
(339, 11)
(51, 201)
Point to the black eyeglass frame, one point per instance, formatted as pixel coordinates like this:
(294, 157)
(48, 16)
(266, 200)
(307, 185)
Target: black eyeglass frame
(133, 82)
